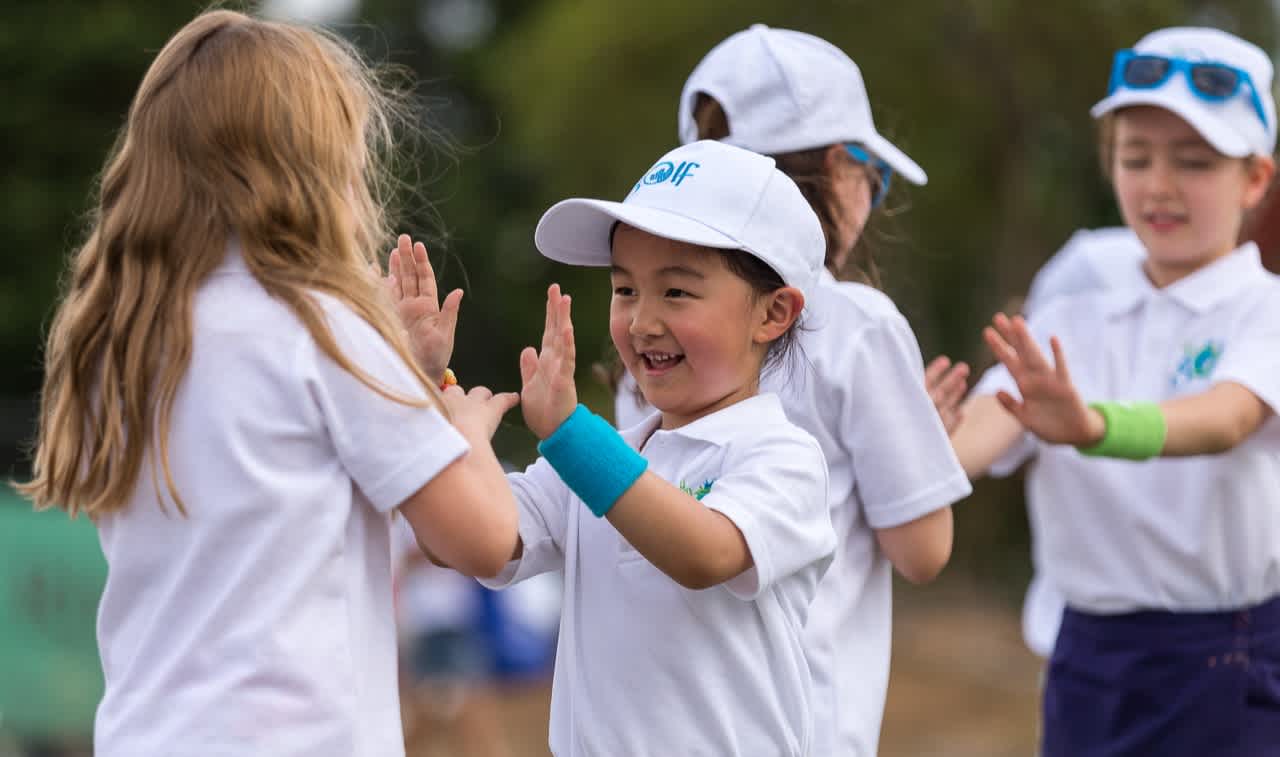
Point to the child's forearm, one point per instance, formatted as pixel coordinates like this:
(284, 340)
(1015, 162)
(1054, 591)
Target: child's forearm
(1213, 421)
(985, 433)
(696, 546)
(920, 549)
(466, 517)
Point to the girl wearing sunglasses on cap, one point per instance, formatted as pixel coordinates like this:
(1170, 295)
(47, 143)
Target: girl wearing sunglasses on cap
(1152, 410)
(894, 476)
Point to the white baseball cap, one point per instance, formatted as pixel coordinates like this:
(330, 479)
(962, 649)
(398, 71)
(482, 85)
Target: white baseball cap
(784, 91)
(706, 193)
(1233, 126)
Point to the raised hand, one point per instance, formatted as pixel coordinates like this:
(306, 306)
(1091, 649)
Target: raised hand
(477, 413)
(411, 281)
(549, 394)
(946, 384)
(1050, 408)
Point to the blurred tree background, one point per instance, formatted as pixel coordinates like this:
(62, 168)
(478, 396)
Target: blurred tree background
(547, 99)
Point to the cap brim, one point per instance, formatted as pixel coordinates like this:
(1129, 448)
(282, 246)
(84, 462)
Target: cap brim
(897, 159)
(576, 231)
(1221, 137)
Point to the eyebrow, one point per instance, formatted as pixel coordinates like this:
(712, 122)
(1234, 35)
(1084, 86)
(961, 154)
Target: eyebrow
(679, 270)
(1181, 144)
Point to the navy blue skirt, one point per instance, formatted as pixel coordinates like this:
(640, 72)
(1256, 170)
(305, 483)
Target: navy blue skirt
(1162, 684)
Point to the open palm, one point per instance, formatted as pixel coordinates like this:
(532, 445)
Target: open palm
(1050, 407)
(412, 283)
(549, 394)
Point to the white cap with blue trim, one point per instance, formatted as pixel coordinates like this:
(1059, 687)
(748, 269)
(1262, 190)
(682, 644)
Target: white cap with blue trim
(1234, 126)
(784, 91)
(706, 193)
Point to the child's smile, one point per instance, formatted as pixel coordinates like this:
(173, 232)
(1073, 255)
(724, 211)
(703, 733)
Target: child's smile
(658, 363)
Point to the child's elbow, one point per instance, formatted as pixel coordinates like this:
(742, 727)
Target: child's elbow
(919, 550)
(486, 564)
(924, 567)
(490, 556)
(1238, 432)
(708, 570)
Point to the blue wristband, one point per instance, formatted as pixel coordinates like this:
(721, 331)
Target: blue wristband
(592, 459)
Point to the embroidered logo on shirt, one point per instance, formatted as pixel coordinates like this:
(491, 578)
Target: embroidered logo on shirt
(700, 492)
(1197, 363)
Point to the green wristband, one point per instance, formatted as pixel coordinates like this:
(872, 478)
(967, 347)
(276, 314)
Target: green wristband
(1135, 431)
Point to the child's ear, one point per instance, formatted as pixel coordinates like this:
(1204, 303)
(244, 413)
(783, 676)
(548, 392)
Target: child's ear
(1259, 170)
(779, 310)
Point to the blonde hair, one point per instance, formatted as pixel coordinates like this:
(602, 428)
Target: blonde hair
(277, 134)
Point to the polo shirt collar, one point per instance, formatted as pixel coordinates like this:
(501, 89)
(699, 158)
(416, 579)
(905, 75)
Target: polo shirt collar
(1201, 291)
(233, 260)
(718, 428)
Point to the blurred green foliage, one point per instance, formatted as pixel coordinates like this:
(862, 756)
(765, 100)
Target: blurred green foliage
(577, 97)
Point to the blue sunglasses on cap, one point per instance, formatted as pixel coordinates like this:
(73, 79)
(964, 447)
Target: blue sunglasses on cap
(1212, 82)
(883, 170)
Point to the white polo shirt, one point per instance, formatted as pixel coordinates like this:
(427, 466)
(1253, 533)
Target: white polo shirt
(645, 667)
(1091, 260)
(857, 385)
(261, 622)
(1180, 534)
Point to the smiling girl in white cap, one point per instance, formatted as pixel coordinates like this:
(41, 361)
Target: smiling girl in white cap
(858, 386)
(1160, 516)
(692, 544)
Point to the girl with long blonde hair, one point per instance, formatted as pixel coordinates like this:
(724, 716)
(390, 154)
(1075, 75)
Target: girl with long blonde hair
(229, 396)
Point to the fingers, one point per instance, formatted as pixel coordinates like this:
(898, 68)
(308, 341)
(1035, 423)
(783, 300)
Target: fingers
(1026, 345)
(548, 326)
(480, 392)
(933, 372)
(1059, 360)
(406, 269)
(506, 401)
(1010, 404)
(393, 276)
(449, 310)
(568, 351)
(528, 365)
(426, 282)
(1018, 336)
(948, 390)
(1001, 349)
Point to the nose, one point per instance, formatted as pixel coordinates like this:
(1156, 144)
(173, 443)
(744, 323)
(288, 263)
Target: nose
(1161, 178)
(645, 320)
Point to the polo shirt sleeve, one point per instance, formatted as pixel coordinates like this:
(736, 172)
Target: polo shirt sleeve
(1251, 355)
(776, 494)
(1067, 272)
(390, 449)
(543, 502)
(903, 462)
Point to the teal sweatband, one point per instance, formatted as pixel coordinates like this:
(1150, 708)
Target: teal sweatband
(1135, 431)
(592, 459)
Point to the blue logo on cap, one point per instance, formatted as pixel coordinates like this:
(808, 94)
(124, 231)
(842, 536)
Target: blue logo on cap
(668, 171)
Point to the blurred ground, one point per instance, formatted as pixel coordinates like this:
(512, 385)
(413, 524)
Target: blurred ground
(962, 685)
